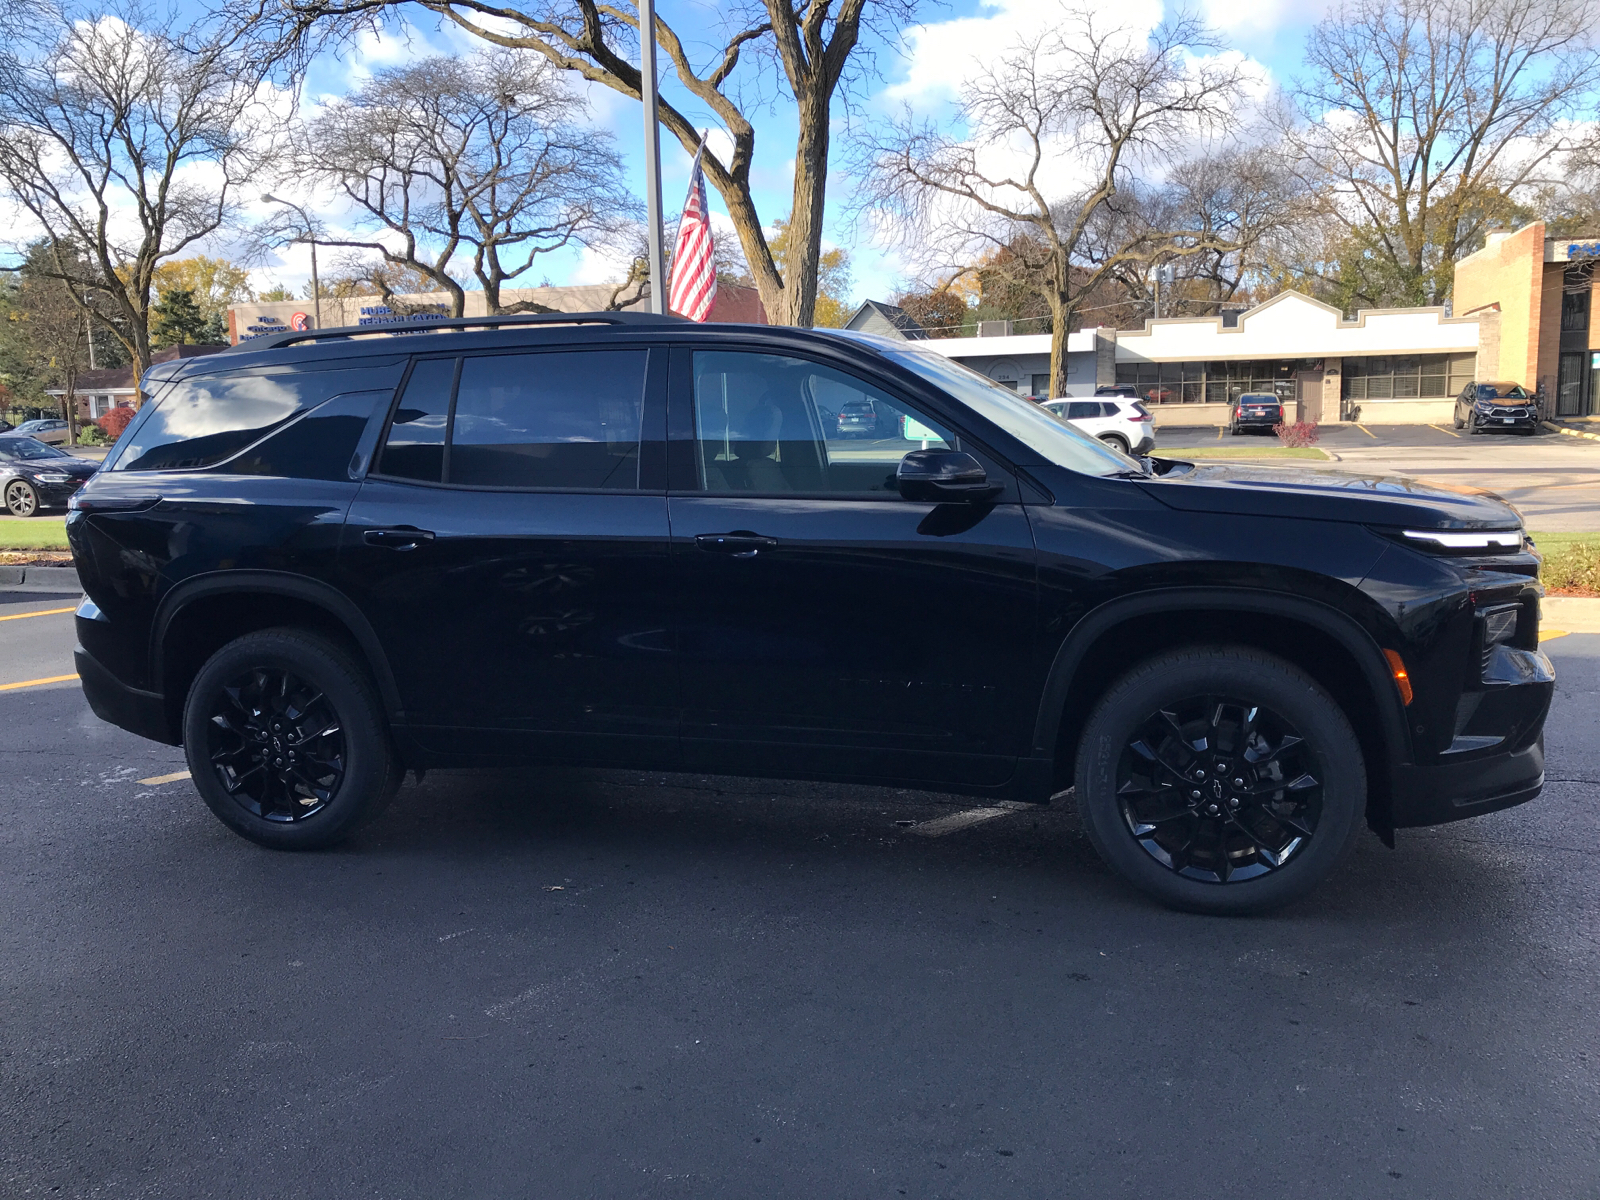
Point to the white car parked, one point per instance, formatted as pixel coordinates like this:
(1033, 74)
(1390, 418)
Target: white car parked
(1121, 423)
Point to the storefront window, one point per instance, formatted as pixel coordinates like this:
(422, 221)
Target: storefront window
(1212, 382)
(1407, 376)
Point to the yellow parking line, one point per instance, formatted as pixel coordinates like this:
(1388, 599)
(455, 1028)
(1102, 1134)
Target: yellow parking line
(43, 612)
(1546, 634)
(157, 780)
(1366, 431)
(27, 683)
(1442, 429)
(1219, 433)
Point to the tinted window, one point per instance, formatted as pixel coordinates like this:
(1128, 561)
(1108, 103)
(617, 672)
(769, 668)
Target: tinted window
(1079, 410)
(318, 445)
(27, 448)
(415, 446)
(201, 421)
(775, 425)
(564, 419)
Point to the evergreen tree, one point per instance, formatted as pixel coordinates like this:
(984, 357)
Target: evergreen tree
(179, 321)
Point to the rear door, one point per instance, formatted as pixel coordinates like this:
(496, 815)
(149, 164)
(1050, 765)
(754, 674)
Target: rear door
(825, 624)
(510, 548)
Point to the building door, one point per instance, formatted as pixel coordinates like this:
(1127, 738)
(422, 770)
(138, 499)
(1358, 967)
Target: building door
(1570, 398)
(1308, 391)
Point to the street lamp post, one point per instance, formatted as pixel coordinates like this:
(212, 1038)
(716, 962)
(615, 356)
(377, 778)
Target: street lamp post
(311, 239)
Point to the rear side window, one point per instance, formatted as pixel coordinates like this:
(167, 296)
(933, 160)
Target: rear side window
(208, 419)
(558, 419)
(318, 445)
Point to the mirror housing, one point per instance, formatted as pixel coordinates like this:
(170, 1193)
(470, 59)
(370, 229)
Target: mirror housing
(944, 477)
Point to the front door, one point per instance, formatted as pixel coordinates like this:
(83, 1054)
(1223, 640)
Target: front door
(511, 563)
(827, 626)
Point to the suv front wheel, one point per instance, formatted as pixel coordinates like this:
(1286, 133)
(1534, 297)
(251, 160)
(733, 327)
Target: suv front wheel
(1220, 779)
(287, 742)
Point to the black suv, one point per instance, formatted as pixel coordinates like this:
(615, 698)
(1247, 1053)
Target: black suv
(322, 559)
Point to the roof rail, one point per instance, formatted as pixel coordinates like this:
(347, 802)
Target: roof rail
(428, 325)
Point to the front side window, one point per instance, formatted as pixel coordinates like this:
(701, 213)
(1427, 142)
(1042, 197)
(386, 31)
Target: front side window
(24, 449)
(558, 419)
(774, 425)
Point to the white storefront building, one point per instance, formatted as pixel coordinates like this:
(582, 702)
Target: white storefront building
(1387, 366)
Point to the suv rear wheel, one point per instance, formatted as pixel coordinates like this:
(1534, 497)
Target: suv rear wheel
(1220, 779)
(1116, 442)
(287, 742)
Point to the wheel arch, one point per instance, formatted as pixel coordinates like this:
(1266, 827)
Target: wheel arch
(1326, 643)
(200, 615)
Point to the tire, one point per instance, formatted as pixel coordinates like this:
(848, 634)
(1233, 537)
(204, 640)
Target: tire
(231, 722)
(1459, 423)
(1116, 443)
(1148, 832)
(22, 498)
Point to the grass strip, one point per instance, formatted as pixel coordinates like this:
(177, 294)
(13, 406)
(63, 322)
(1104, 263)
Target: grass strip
(1571, 562)
(1267, 451)
(33, 533)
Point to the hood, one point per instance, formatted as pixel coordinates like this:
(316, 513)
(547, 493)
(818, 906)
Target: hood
(1322, 495)
(78, 468)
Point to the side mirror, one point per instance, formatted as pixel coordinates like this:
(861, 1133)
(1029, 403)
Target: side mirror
(944, 477)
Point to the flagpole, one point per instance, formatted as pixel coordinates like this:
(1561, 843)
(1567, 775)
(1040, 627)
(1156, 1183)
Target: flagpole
(652, 152)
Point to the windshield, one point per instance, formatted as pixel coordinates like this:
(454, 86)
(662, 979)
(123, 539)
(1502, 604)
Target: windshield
(14, 448)
(1024, 420)
(1505, 391)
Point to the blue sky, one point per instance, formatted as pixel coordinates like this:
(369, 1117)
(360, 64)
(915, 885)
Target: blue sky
(919, 68)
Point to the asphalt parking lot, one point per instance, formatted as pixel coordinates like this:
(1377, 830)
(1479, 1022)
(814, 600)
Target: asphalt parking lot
(593, 983)
(1553, 480)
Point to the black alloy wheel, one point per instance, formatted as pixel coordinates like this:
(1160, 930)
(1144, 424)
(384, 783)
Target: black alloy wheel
(22, 498)
(276, 745)
(1220, 779)
(287, 740)
(1219, 789)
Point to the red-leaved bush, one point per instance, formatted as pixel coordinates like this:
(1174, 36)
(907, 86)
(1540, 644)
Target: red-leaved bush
(115, 421)
(1301, 433)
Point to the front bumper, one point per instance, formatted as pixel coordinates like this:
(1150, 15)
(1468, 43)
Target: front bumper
(140, 712)
(1454, 791)
(1487, 423)
(56, 495)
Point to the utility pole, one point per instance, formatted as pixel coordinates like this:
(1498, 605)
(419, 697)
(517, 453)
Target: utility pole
(311, 238)
(648, 86)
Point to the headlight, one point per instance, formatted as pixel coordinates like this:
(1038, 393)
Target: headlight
(1484, 406)
(52, 477)
(1489, 543)
(1500, 624)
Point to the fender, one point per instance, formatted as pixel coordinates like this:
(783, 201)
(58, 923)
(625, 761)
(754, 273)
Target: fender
(280, 583)
(1338, 625)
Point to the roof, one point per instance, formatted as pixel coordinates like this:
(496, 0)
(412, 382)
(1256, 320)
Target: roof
(900, 320)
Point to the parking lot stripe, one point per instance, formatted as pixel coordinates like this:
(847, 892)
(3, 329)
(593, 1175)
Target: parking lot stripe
(157, 780)
(1442, 429)
(27, 683)
(1366, 431)
(43, 612)
(965, 819)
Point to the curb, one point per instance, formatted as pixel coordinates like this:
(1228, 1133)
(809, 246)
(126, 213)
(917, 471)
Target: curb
(1575, 614)
(1554, 428)
(40, 579)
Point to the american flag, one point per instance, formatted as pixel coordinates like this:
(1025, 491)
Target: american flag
(692, 285)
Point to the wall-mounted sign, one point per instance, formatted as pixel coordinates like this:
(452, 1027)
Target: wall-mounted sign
(299, 322)
(382, 314)
(261, 326)
(1583, 249)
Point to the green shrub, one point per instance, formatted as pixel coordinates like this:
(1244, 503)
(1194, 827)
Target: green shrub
(1572, 567)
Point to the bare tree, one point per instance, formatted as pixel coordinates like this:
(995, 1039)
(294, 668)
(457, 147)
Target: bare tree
(1104, 98)
(130, 144)
(815, 47)
(478, 158)
(1424, 122)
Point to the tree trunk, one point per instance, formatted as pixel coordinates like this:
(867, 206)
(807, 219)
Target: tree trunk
(805, 217)
(1061, 311)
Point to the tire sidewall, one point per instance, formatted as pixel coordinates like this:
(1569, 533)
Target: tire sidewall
(369, 768)
(32, 512)
(1244, 674)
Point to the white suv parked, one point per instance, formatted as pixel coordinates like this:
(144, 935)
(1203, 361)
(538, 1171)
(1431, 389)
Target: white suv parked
(1120, 423)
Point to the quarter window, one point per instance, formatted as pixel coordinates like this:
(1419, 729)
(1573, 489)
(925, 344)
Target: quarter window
(415, 447)
(774, 425)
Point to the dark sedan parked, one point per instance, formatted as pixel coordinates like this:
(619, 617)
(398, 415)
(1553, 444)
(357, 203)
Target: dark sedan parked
(1500, 406)
(1260, 411)
(35, 476)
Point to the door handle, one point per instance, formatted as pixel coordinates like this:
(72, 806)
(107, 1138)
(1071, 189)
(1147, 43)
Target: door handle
(738, 544)
(402, 537)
